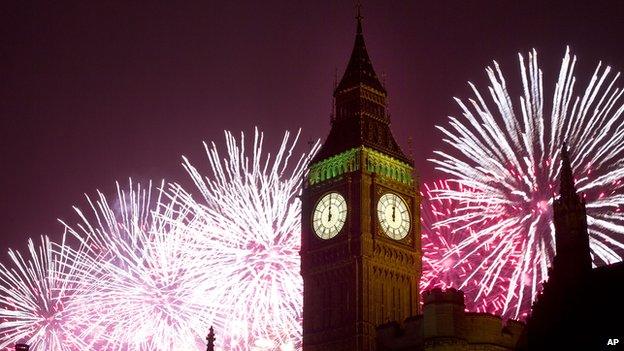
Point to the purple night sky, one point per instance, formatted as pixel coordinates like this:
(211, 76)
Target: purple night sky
(93, 92)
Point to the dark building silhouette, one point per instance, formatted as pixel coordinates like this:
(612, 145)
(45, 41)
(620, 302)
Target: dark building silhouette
(579, 308)
(360, 250)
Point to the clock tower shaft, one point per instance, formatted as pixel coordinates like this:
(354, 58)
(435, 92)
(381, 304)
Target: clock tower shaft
(362, 276)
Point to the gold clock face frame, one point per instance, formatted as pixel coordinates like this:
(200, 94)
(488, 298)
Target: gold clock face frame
(394, 216)
(329, 215)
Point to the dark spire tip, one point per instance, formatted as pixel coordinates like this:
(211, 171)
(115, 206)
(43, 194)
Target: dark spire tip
(358, 16)
(359, 69)
(566, 185)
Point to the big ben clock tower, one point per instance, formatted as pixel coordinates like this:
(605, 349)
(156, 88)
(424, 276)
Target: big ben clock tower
(360, 249)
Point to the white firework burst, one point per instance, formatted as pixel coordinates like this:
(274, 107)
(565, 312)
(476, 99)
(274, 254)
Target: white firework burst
(135, 281)
(248, 225)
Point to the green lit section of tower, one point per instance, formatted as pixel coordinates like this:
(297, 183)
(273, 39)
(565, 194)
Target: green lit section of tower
(360, 158)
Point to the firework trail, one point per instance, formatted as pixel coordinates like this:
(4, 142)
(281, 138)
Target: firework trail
(249, 237)
(33, 301)
(134, 280)
(511, 155)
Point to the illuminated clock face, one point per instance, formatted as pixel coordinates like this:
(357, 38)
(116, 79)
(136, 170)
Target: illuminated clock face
(329, 215)
(394, 216)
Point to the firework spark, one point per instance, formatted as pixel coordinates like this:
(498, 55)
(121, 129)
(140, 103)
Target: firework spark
(33, 301)
(511, 156)
(437, 240)
(439, 257)
(249, 237)
(135, 280)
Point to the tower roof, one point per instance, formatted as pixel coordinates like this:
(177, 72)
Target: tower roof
(360, 69)
(360, 116)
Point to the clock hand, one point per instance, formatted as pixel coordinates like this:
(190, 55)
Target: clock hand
(393, 211)
(330, 202)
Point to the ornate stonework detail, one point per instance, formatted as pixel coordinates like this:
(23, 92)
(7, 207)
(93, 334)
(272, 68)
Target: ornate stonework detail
(376, 162)
(351, 160)
(444, 325)
(334, 166)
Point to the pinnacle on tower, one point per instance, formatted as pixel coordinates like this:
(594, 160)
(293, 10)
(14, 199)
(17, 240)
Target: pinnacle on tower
(570, 221)
(210, 339)
(566, 185)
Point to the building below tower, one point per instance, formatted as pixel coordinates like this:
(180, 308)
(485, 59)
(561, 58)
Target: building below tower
(445, 325)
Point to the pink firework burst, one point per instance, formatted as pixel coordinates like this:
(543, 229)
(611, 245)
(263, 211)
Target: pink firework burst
(443, 266)
(34, 301)
(511, 155)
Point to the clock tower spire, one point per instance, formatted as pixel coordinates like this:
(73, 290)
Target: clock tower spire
(360, 249)
(361, 116)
